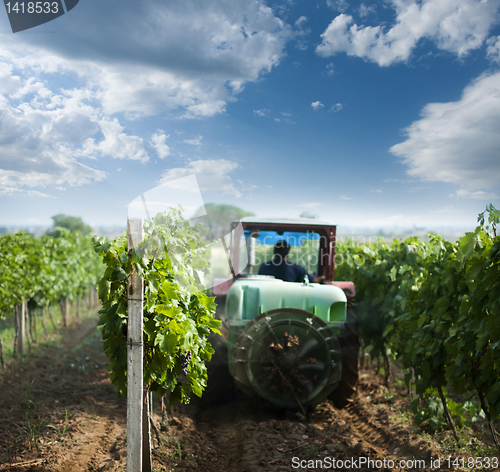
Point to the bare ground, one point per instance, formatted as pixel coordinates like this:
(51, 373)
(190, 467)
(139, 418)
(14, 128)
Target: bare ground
(59, 412)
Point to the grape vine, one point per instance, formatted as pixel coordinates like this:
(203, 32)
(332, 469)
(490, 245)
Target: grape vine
(178, 315)
(436, 308)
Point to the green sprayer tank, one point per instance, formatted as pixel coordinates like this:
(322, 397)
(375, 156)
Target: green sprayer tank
(283, 339)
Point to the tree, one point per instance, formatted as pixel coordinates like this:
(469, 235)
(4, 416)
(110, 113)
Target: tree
(73, 223)
(221, 216)
(308, 214)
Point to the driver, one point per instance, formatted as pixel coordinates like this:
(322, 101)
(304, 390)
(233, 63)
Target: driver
(282, 269)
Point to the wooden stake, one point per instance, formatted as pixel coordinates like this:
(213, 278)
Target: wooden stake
(16, 328)
(27, 324)
(147, 460)
(64, 310)
(22, 328)
(51, 316)
(42, 316)
(135, 349)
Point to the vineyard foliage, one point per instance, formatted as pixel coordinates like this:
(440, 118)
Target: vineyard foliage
(435, 307)
(45, 269)
(178, 315)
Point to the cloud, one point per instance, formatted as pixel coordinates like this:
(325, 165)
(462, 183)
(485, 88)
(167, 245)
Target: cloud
(212, 175)
(317, 105)
(116, 144)
(457, 142)
(41, 135)
(330, 69)
(457, 26)
(479, 195)
(262, 112)
(336, 107)
(188, 58)
(365, 11)
(301, 20)
(194, 141)
(340, 5)
(493, 49)
(343, 197)
(158, 141)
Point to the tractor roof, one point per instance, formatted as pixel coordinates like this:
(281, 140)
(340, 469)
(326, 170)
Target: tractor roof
(286, 221)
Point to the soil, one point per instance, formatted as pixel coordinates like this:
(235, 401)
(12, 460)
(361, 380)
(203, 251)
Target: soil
(59, 412)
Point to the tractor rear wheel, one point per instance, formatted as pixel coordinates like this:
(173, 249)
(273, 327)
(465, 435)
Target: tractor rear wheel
(289, 357)
(349, 342)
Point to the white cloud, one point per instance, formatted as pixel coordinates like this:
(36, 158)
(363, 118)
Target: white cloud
(317, 105)
(46, 132)
(116, 144)
(340, 5)
(330, 69)
(457, 142)
(8, 82)
(478, 195)
(343, 197)
(493, 50)
(188, 58)
(194, 141)
(364, 11)
(158, 141)
(41, 134)
(336, 107)
(212, 175)
(457, 26)
(262, 112)
(301, 20)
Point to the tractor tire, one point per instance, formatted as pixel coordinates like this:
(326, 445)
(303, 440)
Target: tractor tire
(349, 342)
(220, 384)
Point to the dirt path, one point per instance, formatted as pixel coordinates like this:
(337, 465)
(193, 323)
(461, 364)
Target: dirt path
(78, 423)
(59, 409)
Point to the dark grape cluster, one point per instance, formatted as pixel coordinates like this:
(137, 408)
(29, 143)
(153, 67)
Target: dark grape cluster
(185, 359)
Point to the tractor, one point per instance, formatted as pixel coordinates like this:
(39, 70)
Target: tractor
(293, 344)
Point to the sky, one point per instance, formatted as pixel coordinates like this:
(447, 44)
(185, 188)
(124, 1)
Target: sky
(364, 113)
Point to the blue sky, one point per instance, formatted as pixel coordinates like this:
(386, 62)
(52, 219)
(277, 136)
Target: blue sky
(365, 113)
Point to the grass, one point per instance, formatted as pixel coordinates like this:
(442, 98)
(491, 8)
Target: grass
(402, 417)
(61, 432)
(34, 422)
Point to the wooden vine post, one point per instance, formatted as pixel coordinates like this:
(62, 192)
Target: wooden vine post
(135, 348)
(21, 326)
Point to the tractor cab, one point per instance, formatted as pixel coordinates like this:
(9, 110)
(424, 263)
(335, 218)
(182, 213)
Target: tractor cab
(312, 247)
